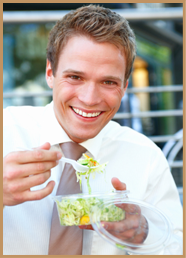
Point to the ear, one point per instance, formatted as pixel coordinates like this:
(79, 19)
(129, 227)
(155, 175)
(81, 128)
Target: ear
(49, 74)
(125, 87)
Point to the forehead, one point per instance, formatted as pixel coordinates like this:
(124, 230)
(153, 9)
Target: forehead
(85, 49)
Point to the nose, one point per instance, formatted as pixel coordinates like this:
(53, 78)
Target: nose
(90, 94)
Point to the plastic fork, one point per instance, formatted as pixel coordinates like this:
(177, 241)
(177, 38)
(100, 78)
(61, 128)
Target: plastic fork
(78, 167)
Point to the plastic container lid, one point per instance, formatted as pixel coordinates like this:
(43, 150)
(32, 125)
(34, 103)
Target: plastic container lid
(98, 208)
(158, 231)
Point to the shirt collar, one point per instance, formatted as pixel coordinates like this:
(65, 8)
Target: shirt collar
(52, 132)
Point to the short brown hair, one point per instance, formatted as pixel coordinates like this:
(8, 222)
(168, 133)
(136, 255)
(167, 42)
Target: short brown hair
(99, 23)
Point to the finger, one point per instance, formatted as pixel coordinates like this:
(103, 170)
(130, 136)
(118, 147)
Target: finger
(117, 184)
(39, 194)
(25, 170)
(86, 227)
(36, 155)
(45, 146)
(134, 235)
(31, 181)
(121, 226)
(129, 208)
(128, 235)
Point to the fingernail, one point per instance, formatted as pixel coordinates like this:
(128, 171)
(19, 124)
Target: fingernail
(59, 155)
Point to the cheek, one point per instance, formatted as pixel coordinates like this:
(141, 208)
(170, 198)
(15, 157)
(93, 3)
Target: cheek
(63, 90)
(121, 92)
(115, 98)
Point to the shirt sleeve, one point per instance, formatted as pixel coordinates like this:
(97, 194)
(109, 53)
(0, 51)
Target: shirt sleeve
(163, 194)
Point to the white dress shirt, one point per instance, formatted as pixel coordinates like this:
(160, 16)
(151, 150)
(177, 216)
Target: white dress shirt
(131, 157)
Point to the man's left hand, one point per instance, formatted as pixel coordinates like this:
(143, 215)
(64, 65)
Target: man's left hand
(133, 228)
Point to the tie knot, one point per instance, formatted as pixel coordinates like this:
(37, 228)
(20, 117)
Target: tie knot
(72, 150)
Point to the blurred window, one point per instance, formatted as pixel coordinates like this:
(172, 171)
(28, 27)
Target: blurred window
(24, 61)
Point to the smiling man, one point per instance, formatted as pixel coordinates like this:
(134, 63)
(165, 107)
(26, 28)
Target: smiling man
(90, 54)
(90, 77)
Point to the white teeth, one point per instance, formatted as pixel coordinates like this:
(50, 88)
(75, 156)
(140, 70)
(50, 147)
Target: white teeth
(84, 114)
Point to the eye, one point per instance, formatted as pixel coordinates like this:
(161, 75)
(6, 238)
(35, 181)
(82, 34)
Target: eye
(109, 83)
(74, 77)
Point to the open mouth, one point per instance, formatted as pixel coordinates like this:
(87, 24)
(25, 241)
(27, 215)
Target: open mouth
(84, 114)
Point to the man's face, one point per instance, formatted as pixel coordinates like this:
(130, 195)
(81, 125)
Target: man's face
(88, 86)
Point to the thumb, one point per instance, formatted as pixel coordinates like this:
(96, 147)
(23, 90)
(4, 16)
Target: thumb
(117, 184)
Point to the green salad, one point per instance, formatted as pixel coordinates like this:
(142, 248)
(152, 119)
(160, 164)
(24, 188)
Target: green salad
(91, 163)
(77, 211)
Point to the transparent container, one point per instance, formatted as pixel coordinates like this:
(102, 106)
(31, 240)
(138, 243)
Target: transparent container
(112, 215)
(157, 232)
(76, 209)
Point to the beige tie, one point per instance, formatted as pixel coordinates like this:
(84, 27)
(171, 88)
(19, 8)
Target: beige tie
(66, 240)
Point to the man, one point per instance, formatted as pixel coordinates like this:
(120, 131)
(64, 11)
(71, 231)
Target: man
(89, 60)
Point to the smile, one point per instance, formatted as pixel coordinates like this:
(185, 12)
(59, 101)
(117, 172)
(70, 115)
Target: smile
(84, 114)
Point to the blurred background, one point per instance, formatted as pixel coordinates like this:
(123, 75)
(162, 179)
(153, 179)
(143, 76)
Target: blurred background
(153, 104)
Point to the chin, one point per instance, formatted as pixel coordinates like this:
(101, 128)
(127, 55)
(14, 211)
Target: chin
(83, 137)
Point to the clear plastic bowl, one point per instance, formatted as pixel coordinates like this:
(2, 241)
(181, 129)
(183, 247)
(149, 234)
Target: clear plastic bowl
(114, 207)
(76, 209)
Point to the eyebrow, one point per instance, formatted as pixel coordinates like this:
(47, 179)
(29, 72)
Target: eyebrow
(109, 77)
(73, 71)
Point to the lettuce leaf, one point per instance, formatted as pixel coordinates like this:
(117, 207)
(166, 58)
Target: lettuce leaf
(71, 211)
(91, 163)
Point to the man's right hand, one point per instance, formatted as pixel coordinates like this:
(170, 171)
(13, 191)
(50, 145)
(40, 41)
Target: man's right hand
(25, 169)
